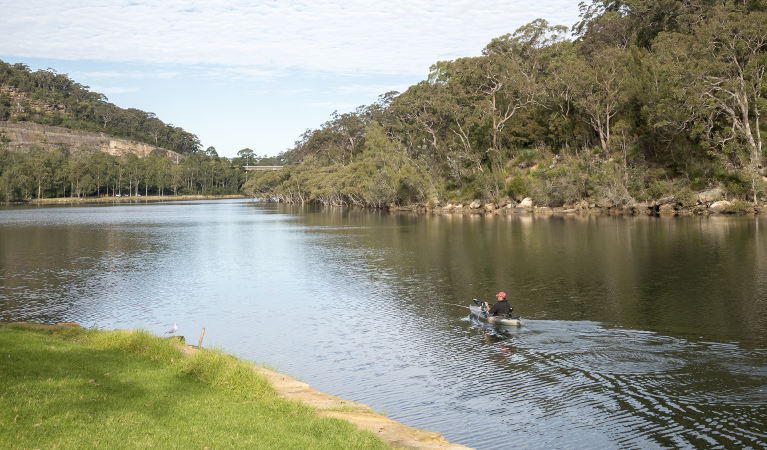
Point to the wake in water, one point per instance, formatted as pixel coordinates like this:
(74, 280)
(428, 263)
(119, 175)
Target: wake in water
(585, 385)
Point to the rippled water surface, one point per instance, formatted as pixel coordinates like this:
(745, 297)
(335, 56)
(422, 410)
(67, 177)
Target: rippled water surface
(646, 332)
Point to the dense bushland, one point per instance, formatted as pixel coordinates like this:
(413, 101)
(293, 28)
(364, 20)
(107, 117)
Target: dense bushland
(639, 100)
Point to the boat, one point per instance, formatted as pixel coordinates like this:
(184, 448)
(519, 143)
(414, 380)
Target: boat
(476, 311)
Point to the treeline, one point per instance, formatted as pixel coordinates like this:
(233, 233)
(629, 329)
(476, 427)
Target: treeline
(60, 173)
(639, 100)
(52, 98)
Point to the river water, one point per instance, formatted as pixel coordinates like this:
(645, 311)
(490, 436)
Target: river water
(638, 332)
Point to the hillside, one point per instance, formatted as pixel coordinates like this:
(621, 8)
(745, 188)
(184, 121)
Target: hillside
(26, 136)
(50, 98)
(639, 101)
(60, 140)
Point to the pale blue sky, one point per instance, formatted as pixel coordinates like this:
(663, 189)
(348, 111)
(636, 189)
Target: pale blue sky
(255, 74)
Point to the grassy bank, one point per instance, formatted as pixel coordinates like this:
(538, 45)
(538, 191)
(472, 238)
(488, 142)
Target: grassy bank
(68, 387)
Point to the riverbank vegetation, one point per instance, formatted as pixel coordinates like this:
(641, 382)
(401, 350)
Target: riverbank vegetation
(50, 98)
(60, 173)
(66, 387)
(640, 100)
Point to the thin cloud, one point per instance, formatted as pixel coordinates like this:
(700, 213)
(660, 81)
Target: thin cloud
(126, 75)
(371, 89)
(108, 90)
(256, 39)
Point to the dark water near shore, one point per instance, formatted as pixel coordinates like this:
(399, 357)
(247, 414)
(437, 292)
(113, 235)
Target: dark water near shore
(639, 332)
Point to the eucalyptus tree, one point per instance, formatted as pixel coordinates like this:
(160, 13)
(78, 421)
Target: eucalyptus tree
(716, 84)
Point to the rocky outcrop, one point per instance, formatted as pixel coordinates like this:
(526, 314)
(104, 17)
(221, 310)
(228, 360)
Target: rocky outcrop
(666, 209)
(526, 202)
(710, 195)
(24, 136)
(719, 207)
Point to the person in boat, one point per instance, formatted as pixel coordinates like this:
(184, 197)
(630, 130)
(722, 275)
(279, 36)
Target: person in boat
(501, 307)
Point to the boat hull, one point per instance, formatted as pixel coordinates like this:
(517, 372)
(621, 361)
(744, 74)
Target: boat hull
(495, 320)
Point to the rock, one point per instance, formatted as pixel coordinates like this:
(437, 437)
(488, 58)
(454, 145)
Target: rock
(581, 206)
(526, 202)
(508, 206)
(605, 204)
(543, 211)
(665, 200)
(719, 207)
(490, 207)
(710, 195)
(474, 205)
(666, 209)
(639, 209)
(700, 209)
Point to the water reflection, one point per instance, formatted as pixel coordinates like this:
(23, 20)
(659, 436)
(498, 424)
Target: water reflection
(638, 333)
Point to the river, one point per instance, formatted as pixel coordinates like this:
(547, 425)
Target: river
(638, 332)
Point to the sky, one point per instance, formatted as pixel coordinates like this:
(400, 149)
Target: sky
(255, 74)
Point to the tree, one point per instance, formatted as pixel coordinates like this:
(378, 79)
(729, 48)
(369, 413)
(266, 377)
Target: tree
(717, 77)
(42, 172)
(599, 89)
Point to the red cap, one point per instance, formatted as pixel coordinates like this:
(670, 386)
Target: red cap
(501, 295)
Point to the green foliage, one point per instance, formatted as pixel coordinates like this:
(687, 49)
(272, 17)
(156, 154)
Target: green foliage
(381, 174)
(610, 187)
(72, 388)
(686, 197)
(517, 187)
(651, 99)
(52, 98)
(59, 173)
(737, 186)
(740, 207)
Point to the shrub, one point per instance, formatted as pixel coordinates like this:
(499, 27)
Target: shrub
(739, 207)
(686, 197)
(609, 186)
(516, 187)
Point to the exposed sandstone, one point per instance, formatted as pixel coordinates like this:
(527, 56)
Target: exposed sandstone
(719, 207)
(24, 136)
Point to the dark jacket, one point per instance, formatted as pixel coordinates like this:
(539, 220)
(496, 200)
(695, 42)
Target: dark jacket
(501, 308)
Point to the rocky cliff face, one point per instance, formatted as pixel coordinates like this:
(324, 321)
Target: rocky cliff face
(23, 136)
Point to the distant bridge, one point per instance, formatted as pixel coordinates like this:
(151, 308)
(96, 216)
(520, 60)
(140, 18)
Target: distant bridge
(263, 167)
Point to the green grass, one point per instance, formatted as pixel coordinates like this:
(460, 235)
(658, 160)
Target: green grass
(75, 388)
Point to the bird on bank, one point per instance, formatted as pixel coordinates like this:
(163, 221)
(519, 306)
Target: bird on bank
(172, 330)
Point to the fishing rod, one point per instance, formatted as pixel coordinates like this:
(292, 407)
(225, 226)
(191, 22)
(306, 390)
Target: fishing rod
(464, 306)
(455, 304)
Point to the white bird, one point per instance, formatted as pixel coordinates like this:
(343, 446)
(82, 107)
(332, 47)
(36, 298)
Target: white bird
(172, 330)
